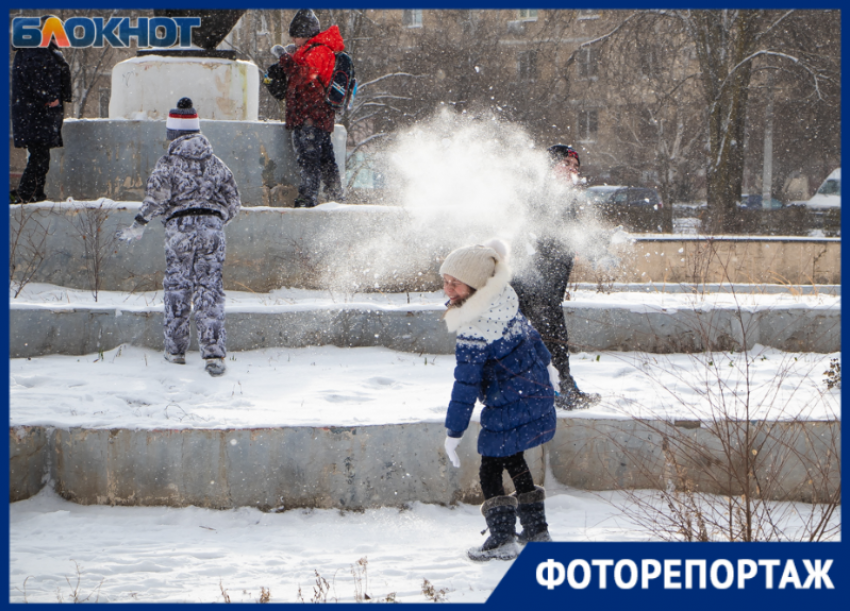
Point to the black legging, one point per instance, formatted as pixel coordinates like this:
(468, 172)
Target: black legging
(491, 474)
(31, 185)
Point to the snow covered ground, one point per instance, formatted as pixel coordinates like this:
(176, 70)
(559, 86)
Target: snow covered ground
(319, 386)
(62, 551)
(157, 554)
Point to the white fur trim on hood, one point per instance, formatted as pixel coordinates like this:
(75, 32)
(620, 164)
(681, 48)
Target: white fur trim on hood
(491, 306)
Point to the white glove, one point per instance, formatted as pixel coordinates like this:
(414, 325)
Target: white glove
(554, 378)
(451, 447)
(133, 232)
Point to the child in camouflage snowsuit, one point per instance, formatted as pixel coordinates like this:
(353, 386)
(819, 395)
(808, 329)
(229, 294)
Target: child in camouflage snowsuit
(195, 193)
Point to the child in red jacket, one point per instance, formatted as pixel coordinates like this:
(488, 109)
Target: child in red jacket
(308, 65)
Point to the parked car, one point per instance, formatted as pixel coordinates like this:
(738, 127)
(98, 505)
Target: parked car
(635, 208)
(753, 201)
(828, 194)
(824, 208)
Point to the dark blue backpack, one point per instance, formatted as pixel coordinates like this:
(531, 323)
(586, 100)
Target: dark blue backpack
(343, 85)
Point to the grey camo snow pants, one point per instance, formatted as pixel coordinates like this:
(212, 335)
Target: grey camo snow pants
(194, 256)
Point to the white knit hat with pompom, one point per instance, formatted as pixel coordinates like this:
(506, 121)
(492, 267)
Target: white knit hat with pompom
(475, 265)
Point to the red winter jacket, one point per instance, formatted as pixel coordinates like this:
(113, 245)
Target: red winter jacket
(308, 74)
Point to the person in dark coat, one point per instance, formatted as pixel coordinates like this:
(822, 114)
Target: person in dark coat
(502, 362)
(308, 65)
(41, 84)
(541, 285)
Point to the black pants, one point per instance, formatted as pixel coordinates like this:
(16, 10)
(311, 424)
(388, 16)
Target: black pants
(31, 186)
(316, 164)
(541, 292)
(491, 474)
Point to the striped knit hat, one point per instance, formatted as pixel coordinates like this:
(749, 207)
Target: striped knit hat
(182, 120)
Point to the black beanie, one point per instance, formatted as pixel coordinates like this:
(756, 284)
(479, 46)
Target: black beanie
(557, 152)
(305, 24)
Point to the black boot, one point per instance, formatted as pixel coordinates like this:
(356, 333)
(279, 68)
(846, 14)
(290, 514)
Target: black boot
(532, 516)
(500, 513)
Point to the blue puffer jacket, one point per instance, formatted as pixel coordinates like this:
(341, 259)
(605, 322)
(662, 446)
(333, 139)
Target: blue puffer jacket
(502, 362)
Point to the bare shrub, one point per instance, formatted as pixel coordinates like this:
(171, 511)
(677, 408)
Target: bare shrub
(76, 596)
(224, 593)
(29, 230)
(432, 593)
(748, 464)
(98, 241)
(833, 374)
(320, 589)
(361, 580)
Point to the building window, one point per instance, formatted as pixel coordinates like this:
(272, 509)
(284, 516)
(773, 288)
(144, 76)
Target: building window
(411, 18)
(588, 124)
(103, 102)
(588, 62)
(526, 65)
(587, 14)
(527, 14)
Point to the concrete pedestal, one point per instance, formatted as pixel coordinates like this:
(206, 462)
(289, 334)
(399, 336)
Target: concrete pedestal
(147, 87)
(114, 157)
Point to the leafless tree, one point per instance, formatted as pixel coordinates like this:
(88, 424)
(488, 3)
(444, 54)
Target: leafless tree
(730, 47)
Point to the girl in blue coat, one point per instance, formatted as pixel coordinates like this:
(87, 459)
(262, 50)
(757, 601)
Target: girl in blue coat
(502, 362)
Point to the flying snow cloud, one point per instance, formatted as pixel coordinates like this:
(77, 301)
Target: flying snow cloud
(459, 179)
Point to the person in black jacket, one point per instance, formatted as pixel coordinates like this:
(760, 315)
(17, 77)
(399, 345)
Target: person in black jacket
(41, 84)
(542, 283)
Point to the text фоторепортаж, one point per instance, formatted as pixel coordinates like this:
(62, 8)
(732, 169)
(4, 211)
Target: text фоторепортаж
(721, 574)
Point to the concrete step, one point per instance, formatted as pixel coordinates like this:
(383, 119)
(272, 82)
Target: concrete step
(37, 330)
(361, 246)
(356, 467)
(41, 330)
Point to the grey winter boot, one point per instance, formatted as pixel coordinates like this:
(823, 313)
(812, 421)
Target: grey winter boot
(215, 366)
(532, 516)
(500, 513)
(178, 359)
(573, 398)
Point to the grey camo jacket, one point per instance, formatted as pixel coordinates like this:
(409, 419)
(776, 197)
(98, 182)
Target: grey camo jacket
(190, 177)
